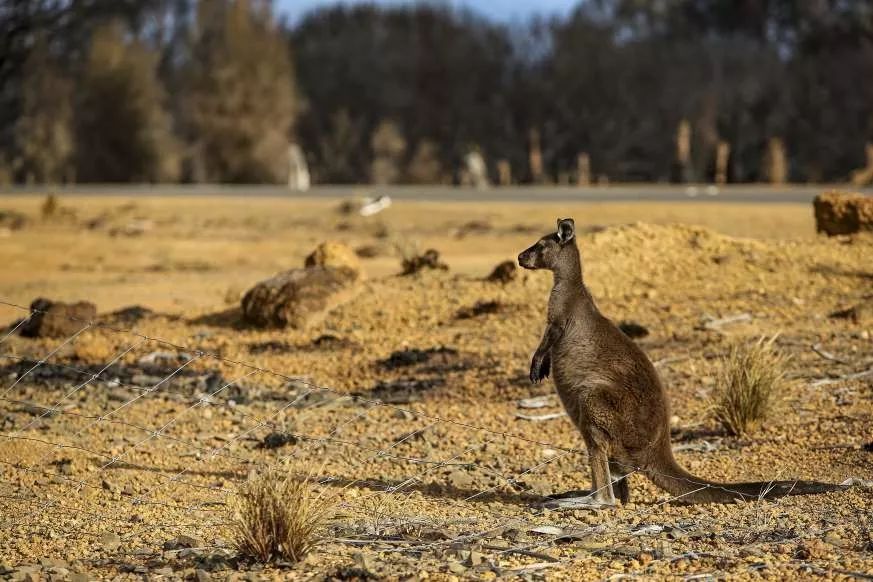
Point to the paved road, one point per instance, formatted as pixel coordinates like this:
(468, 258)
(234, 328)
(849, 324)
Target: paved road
(618, 193)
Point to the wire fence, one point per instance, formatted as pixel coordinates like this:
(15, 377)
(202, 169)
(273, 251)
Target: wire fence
(135, 452)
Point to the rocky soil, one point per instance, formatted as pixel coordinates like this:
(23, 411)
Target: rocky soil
(409, 402)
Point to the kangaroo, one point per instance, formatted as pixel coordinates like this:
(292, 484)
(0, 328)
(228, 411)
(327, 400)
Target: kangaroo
(613, 394)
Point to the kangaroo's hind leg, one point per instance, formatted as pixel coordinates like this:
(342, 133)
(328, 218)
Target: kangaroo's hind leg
(620, 483)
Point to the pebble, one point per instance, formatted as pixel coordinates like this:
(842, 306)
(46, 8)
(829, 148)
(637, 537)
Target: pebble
(110, 540)
(460, 479)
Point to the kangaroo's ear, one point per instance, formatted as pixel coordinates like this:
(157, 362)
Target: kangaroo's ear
(566, 230)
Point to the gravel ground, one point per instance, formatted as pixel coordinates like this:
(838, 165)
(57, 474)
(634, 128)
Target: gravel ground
(404, 401)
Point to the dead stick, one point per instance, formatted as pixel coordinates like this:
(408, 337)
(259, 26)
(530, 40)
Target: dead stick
(827, 355)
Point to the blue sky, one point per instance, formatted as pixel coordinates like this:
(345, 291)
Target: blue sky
(505, 10)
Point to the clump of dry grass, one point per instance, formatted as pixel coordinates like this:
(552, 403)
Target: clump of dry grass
(276, 516)
(747, 381)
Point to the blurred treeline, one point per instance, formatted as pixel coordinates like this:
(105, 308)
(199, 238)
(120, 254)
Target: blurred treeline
(216, 90)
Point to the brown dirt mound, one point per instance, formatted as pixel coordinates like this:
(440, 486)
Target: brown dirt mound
(843, 213)
(57, 319)
(336, 255)
(297, 298)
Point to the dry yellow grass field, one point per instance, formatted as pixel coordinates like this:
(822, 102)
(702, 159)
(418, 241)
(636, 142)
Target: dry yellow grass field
(444, 481)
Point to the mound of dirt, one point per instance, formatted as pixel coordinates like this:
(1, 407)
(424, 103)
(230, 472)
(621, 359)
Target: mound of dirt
(12, 220)
(334, 255)
(503, 273)
(429, 260)
(842, 213)
(299, 297)
(57, 319)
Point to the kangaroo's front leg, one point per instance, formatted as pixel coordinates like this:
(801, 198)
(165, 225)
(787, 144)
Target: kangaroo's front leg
(540, 365)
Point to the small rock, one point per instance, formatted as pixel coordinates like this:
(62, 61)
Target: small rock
(369, 251)
(110, 541)
(812, 549)
(860, 313)
(644, 558)
(65, 466)
(505, 272)
(276, 440)
(182, 542)
(457, 568)
(403, 415)
(202, 575)
(362, 561)
(480, 308)
(78, 577)
(429, 260)
(165, 571)
(11, 220)
(460, 479)
(137, 227)
(110, 486)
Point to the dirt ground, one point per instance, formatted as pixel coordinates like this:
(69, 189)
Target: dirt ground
(404, 402)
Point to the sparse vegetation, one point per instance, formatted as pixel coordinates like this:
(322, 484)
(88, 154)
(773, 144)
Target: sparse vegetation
(402, 479)
(276, 516)
(748, 379)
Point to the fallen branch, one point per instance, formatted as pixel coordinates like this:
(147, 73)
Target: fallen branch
(523, 552)
(541, 417)
(827, 355)
(537, 401)
(838, 379)
(714, 324)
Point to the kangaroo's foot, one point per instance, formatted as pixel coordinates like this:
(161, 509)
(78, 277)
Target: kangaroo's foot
(577, 499)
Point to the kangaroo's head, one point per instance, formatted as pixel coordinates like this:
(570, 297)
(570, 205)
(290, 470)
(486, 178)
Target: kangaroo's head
(553, 249)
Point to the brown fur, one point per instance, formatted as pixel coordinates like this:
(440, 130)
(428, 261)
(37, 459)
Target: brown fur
(612, 392)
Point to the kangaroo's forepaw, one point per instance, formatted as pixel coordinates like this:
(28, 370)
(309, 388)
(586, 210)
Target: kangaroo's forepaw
(538, 372)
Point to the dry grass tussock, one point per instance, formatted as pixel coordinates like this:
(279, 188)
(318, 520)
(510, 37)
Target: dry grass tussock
(276, 516)
(748, 378)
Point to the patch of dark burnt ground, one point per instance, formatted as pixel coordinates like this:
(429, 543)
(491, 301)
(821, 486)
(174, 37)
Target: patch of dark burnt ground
(481, 308)
(327, 341)
(415, 372)
(430, 360)
(146, 375)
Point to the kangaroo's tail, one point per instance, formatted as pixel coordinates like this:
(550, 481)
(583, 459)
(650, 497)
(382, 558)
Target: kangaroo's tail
(667, 474)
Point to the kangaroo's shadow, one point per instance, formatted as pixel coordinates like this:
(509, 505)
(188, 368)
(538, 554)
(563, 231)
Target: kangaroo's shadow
(433, 490)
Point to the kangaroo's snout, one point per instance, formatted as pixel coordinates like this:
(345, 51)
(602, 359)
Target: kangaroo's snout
(526, 259)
